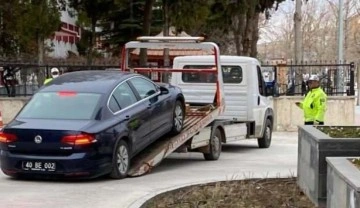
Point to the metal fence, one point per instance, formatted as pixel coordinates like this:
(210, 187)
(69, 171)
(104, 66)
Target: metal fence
(24, 79)
(283, 75)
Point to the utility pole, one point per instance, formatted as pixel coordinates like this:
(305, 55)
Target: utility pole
(298, 46)
(339, 73)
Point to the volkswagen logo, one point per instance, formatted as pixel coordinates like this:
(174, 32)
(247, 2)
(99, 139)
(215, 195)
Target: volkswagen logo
(38, 139)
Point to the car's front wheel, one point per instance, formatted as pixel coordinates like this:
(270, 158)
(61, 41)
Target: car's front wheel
(178, 118)
(121, 161)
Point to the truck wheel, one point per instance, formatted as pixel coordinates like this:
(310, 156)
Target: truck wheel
(215, 146)
(178, 118)
(121, 161)
(265, 141)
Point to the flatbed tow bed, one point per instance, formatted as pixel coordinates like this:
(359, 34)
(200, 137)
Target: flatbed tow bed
(195, 121)
(196, 118)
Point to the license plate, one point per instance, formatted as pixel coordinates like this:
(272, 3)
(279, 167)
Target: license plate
(39, 166)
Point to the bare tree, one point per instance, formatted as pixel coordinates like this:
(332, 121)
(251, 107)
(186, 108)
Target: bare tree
(319, 26)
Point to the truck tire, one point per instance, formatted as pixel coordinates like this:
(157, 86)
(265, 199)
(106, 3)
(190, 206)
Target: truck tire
(121, 161)
(178, 118)
(215, 146)
(265, 141)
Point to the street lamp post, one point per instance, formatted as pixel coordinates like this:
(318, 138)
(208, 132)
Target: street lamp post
(339, 74)
(297, 48)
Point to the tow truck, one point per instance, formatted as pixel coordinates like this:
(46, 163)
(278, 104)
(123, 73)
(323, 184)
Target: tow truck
(201, 133)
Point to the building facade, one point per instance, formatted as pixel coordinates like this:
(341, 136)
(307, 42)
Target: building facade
(64, 40)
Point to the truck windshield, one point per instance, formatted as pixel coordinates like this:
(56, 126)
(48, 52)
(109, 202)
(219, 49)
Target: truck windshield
(231, 74)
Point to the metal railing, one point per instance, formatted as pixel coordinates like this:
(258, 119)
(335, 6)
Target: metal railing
(283, 75)
(24, 79)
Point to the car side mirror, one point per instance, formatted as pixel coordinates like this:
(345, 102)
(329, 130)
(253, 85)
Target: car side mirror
(163, 90)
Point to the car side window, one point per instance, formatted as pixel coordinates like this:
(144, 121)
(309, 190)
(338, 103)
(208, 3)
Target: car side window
(122, 97)
(144, 87)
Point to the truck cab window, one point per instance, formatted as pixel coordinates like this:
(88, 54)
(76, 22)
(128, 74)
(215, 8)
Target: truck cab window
(231, 74)
(260, 81)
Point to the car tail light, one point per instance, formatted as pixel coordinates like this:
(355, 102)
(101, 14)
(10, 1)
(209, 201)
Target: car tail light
(79, 139)
(67, 93)
(7, 138)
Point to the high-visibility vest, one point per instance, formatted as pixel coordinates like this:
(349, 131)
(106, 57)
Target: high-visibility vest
(314, 105)
(47, 80)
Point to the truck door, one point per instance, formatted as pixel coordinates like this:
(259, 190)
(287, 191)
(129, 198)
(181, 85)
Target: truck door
(262, 103)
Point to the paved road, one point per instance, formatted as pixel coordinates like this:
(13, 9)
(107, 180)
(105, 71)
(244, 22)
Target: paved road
(240, 160)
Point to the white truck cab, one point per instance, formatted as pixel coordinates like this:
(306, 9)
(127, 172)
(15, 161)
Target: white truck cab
(248, 108)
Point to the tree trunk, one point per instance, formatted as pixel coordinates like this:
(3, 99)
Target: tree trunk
(146, 29)
(166, 32)
(40, 72)
(166, 76)
(246, 41)
(40, 42)
(255, 35)
(92, 42)
(238, 30)
(237, 40)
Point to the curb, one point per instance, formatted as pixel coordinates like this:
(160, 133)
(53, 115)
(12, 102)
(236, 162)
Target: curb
(139, 202)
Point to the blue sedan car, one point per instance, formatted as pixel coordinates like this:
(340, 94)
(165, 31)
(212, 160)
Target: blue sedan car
(90, 123)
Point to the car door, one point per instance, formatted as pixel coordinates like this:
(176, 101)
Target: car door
(159, 105)
(124, 101)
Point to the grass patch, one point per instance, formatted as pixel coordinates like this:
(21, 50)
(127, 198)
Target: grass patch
(269, 193)
(340, 131)
(356, 162)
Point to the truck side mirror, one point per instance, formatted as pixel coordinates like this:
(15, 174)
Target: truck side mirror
(271, 89)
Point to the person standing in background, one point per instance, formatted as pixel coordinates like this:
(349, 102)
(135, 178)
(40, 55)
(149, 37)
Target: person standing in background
(54, 73)
(314, 104)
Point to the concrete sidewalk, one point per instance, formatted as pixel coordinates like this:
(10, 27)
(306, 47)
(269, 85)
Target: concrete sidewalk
(241, 160)
(237, 161)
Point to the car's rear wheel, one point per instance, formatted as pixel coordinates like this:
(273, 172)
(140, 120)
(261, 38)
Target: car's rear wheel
(121, 161)
(178, 118)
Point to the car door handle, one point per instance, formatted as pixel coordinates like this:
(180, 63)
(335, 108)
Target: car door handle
(127, 118)
(258, 100)
(149, 106)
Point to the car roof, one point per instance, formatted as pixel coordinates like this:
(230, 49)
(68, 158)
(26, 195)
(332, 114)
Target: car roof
(94, 81)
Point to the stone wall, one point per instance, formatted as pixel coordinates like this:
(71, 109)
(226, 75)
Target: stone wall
(341, 111)
(343, 183)
(313, 148)
(9, 107)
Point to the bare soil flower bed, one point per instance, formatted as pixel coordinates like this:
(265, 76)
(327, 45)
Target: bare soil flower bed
(254, 193)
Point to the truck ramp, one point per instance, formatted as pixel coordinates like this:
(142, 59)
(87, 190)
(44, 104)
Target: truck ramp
(196, 119)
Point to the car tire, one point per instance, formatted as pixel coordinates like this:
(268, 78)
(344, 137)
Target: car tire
(120, 161)
(265, 141)
(178, 118)
(215, 146)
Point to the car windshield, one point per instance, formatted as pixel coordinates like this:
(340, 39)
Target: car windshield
(61, 105)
